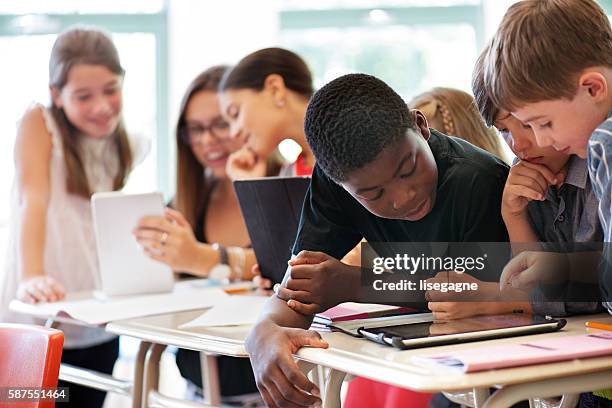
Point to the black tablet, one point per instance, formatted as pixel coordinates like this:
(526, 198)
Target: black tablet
(271, 208)
(432, 333)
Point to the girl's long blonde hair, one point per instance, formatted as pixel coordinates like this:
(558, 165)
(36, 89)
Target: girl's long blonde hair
(93, 47)
(454, 113)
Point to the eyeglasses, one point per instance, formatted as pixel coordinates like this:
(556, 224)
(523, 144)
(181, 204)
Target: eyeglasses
(193, 133)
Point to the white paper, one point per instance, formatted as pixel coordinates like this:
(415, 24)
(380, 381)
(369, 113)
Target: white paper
(231, 311)
(90, 310)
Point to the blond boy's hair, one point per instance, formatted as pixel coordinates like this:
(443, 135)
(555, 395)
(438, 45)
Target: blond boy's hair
(540, 48)
(483, 101)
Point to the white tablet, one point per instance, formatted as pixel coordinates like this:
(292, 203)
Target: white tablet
(125, 269)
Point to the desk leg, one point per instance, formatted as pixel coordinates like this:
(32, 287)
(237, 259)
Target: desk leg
(315, 373)
(151, 372)
(480, 396)
(511, 394)
(50, 323)
(143, 347)
(333, 385)
(569, 401)
(210, 379)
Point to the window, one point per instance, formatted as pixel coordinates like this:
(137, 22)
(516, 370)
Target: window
(411, 45)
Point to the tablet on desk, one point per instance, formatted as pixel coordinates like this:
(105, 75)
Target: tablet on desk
(430, 333)
(125, 269)
(271, 208)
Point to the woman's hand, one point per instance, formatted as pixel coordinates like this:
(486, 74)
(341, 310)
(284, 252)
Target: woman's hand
(170, 240)
(40, 289)
(263, 286)
(245, 164)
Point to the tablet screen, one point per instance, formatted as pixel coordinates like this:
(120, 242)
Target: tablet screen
(473, 324)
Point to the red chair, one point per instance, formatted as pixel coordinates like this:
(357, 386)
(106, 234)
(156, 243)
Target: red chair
(30, 356)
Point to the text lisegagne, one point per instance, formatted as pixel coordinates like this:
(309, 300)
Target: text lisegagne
(424, 285)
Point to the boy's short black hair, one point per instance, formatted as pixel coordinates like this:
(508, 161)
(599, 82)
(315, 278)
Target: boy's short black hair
(351, 120)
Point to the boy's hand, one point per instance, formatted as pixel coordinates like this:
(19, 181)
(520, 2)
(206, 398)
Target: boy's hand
(526, 182)
(317, 282)
(40, 289)
(245, 164)
(485, 291)
(453, 305)
(460, 310)
(278, 378)
(529, 268)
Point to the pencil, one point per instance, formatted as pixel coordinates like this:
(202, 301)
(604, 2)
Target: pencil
(234, 291)
(596, 325)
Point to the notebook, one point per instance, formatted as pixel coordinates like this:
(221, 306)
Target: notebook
(521, 354)
(353, 311)
(271, 208)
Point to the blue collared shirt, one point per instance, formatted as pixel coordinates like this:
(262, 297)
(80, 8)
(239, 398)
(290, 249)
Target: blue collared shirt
(599, 160)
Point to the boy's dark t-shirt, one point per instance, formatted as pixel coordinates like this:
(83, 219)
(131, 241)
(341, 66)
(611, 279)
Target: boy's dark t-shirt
(467, 207)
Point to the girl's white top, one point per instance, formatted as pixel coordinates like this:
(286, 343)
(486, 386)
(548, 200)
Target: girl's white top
(70, 249)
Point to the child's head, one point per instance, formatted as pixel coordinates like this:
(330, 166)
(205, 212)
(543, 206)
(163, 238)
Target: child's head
(452, 112)
(85, 78)
(550, 64)
(364, 138)
(257, 94)
(519, 136)
(202, 134)
(203, 142)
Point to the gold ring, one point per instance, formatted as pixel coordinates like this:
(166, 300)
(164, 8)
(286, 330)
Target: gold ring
(164, 237)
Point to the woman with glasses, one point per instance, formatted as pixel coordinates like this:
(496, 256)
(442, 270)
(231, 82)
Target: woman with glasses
(204, 233)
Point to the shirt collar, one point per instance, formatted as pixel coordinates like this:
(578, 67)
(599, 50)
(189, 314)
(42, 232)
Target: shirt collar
(577, 172)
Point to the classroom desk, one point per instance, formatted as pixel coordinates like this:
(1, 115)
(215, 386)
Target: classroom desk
(363, 358)
(348, 355)
(106, 382)
(161, 331)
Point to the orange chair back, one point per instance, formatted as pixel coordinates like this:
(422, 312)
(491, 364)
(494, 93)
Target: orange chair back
(30, 356)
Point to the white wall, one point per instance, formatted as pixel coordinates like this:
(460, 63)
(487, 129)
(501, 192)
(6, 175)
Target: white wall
(203, 33)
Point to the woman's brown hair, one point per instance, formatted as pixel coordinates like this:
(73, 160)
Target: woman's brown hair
(251, 71)
(454, 112)
(93, 47)
(191, 184)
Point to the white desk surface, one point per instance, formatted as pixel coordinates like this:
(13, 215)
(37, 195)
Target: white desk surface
(365, 358)
(164, 329)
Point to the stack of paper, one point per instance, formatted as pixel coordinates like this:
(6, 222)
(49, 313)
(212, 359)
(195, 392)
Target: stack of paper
(232, 311)
(90, 310)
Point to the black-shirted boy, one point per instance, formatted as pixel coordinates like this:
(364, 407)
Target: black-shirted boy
(382, 175)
